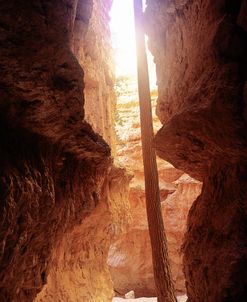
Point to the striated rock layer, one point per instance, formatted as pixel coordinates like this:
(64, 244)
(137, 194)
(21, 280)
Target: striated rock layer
(200, 53)
(130, 258)
(60, 201)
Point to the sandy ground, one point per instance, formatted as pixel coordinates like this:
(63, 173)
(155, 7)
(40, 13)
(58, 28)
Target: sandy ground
(180, 299)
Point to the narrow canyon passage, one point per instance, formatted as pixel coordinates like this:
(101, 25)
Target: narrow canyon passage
(130, 258)
(130, 254)
(72, 217)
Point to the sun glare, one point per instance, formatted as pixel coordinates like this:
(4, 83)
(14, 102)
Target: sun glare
(123, 40)
(123, 36)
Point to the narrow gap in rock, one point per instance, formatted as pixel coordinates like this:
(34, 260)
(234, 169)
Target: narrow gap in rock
(66, 206)
(129, 258)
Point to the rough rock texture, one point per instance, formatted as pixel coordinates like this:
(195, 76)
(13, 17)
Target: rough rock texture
(130, 257)
(78, 266)
(56, 177)
(200, 88)
(217, 223)
(200, 52)
(92, 46)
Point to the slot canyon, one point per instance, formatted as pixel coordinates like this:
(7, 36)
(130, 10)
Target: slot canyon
(73, 218)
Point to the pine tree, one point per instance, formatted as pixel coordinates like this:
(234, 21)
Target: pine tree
(162, 273)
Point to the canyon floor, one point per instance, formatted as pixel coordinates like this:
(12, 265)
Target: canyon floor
(179, 298)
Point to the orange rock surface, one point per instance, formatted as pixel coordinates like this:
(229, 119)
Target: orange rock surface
(62, 198)
(130, 257)
(200, 52)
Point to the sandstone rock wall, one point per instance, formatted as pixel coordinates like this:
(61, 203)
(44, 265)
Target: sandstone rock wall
(92, 46)
(200, 54)
(46, 193)
(199, 50)
(215, 244)
(78, 270)
(130, 257)
(59, 203)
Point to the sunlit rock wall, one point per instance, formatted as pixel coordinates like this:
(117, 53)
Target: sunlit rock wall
(92, 46)
(78, 266)
(130, 257)
(60, 201)
(200, 54)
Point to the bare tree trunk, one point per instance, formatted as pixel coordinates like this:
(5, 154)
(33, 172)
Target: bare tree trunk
(162, 273)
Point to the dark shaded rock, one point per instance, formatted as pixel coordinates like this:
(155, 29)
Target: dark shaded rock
(56, 174)
(45, 192)
(41, 78)
(200, 54)
(217, 221)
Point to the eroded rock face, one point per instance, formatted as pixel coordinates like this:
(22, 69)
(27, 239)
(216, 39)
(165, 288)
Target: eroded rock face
(217, 223)
(130, 257)
(59, 203)
(92, 46)
(200, 52)
(78, 270)
(42, 87)
(201, 80)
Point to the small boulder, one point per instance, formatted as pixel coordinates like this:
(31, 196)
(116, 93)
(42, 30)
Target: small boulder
(130, 295)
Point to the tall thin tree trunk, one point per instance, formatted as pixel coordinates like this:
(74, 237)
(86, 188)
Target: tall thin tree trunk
(162, 273)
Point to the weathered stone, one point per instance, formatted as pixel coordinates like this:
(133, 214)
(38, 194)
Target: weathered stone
(215, 244)
(60, 197)
(92, 46)
(130, 258)
(78, 270)
(200, 54)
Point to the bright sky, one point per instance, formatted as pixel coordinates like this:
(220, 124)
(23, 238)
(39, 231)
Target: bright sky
(123, 36)
(123, 39)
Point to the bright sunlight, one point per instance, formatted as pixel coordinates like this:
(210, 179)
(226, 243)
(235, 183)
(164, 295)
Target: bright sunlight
(123, 41)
